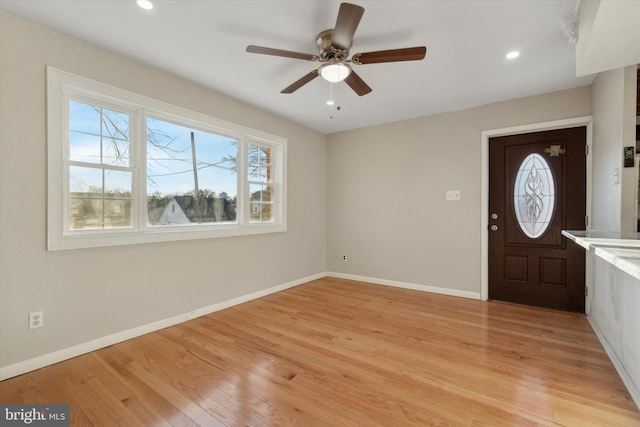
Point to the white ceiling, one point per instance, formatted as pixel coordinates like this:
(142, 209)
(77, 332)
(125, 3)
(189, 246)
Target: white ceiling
(205, 40)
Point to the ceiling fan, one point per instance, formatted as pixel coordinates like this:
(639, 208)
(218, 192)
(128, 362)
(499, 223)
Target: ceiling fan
(334, 45)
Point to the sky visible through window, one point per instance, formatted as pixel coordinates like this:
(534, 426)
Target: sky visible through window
(98, 135)
(170, 160)
(101, 136)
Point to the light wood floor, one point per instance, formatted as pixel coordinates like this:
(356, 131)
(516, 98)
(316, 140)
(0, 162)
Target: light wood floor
(341, 353)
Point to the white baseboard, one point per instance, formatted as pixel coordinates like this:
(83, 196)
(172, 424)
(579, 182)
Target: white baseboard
(405, 285)
(96, 344)
(617, 363)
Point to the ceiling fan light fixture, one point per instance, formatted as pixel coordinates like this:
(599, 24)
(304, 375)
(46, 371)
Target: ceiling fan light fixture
(335, 72)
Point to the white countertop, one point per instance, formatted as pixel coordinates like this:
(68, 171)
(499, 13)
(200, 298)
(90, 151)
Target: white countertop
(620, 249)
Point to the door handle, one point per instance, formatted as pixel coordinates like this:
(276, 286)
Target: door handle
(493, 227)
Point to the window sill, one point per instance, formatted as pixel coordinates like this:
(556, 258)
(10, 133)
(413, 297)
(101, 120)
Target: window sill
(123, 238)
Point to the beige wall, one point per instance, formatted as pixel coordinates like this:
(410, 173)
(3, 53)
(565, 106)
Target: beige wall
(387, 184)
(628, 219)
(614, 94)
(88, 294)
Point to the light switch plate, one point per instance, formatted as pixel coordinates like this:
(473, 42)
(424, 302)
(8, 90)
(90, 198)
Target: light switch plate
(452, 195)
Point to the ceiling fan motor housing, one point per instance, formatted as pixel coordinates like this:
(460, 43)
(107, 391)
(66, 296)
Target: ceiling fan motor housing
(327, 50)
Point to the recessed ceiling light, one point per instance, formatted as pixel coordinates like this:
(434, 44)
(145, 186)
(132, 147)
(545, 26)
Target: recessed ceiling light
(330, 102)
(513, 54)
(145, 4)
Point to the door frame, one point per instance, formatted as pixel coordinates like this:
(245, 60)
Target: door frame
(586, 121)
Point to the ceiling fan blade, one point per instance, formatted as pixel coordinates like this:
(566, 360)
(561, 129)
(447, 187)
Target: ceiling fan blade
(349, 17)
(280, 52)
(301, 82)
(392, 55)
(357, 84)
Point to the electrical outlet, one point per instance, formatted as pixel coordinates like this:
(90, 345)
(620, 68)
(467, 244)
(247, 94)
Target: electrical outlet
(344, 257)
(36, 319)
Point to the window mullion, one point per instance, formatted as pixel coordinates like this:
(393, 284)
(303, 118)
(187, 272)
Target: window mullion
(140, 168)
(100, 166)
(65, 186)
(102, 198)
(102, 201)
(277, 184)
(242, 200)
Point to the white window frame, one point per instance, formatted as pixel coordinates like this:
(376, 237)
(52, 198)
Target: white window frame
(62, 86)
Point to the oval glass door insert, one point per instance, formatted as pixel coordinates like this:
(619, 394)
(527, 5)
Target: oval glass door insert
(534, 195)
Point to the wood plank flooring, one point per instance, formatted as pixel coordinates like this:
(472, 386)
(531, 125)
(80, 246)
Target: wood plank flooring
(334, 352)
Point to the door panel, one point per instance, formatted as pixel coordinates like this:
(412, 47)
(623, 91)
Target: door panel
(536, 189)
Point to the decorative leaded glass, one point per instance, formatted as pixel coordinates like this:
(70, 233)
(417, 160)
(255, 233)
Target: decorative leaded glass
(534, 195)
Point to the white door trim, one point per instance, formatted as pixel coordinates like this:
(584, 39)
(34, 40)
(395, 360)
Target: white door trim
(484, 185)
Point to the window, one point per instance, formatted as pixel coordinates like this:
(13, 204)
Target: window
(127, 169)
(100, 173)
(191, 170)
(259, 177)
(534, 195)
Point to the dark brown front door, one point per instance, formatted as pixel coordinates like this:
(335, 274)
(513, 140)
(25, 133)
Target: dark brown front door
(537, 187)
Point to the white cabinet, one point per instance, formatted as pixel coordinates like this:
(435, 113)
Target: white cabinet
(614, 313)
(631, 331)
(613, 303)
